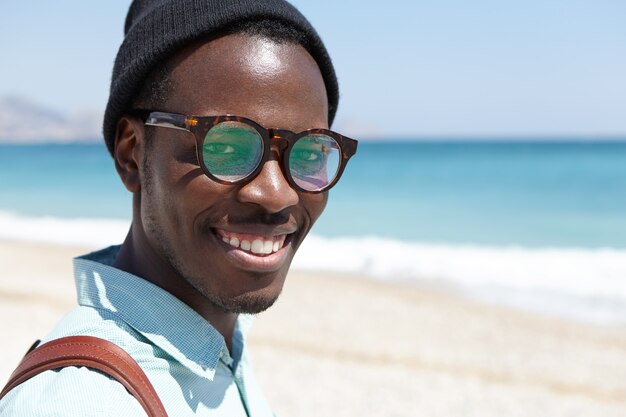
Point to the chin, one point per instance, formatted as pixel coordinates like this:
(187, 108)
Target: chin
(248, 303)
(254, 294)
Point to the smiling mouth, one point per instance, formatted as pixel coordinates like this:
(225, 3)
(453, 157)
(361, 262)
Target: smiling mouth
(251, 243)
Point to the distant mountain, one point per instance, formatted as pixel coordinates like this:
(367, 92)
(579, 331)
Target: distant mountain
(22, 121)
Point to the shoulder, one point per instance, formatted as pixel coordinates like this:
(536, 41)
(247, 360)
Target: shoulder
(91, 321)
(80, 391)
(69, 392)
(104, 324)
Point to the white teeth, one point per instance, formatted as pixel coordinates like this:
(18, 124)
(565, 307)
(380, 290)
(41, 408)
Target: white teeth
(257, 246)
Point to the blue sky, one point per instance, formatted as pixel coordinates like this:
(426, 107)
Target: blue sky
(406, 68)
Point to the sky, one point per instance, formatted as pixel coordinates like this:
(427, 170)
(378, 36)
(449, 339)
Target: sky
(407, 69)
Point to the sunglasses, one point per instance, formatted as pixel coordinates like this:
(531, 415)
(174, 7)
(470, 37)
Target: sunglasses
(232, 149)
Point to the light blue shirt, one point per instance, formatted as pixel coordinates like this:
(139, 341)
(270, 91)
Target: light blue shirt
(184, 357)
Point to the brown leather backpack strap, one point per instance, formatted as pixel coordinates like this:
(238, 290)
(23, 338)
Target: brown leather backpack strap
(94, 353)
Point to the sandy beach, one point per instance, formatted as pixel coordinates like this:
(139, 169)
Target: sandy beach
(338, 345)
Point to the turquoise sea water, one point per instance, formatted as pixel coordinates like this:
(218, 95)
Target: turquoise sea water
(565, 194)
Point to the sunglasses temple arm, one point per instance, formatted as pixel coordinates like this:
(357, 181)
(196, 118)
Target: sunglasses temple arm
(171, 120)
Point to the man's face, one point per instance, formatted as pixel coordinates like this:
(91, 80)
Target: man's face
(187, 217)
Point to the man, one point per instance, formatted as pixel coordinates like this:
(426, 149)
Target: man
(220, 203)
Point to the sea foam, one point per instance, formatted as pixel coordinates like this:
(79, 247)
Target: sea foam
(586, 284)
(581, 283)
(63, 231)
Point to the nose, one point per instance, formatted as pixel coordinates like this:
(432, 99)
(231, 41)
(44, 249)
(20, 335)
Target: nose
(269, 189)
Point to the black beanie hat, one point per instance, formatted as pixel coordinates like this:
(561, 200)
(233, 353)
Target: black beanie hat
(156, 29)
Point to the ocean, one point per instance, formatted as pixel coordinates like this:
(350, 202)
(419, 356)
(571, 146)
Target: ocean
(536, 225)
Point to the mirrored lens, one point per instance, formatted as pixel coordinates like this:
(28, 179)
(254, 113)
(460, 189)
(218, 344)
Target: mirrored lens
(232, 150)
(314, 161)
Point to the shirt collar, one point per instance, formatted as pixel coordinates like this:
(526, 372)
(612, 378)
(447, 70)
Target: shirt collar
(153, 312)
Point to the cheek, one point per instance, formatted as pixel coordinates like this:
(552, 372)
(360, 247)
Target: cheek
(156, 211)
(162, 200)
(176, 194)
(314, 204)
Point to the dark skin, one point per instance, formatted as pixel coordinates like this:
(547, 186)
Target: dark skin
(177, 210)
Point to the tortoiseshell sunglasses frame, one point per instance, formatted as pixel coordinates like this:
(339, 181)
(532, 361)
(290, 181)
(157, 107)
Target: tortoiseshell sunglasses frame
(199, 126)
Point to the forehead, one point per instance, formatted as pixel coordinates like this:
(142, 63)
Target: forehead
(276, 84)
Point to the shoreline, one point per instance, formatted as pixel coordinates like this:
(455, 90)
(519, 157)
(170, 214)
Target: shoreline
(379, 348)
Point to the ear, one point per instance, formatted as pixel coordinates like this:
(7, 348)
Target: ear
(128, 152)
